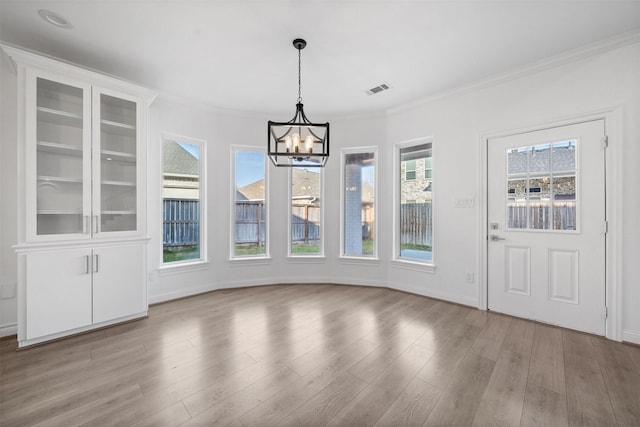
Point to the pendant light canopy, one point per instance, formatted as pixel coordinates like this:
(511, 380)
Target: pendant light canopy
(298, 140)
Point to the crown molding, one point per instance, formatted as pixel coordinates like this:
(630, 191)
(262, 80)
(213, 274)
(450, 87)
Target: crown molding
(23, 57)
(567, 57)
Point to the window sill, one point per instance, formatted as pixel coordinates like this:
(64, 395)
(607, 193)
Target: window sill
(356, 260)
(249, 260)
(306, 259)
(182, 267)
(413, 265)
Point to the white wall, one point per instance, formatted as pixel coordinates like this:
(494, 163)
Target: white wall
(456, 123)
(8, 200)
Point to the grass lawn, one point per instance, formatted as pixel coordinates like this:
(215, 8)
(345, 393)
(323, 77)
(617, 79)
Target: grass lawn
(416, 247)
(310, 248)
(181, 254)
(249, 249)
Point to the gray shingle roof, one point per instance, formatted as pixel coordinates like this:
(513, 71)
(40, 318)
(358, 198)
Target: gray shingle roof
(176, 159)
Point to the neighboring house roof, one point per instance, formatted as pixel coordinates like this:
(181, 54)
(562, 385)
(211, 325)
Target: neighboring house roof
(304, 186)
(178, 160)
(253, 191)
(564, 159)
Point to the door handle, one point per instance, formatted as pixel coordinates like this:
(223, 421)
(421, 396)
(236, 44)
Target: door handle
(87, 224)
(495, 238)
(97, 266)
(86, 269)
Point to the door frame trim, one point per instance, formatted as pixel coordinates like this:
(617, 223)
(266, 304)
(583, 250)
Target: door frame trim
(612, 117)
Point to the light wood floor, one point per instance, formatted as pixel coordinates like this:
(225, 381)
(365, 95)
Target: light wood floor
(305, 355)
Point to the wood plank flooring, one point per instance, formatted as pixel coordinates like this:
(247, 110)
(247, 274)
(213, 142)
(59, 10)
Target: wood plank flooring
(316, 355)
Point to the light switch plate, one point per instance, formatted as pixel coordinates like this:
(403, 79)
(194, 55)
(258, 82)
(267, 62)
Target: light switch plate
(463, 202)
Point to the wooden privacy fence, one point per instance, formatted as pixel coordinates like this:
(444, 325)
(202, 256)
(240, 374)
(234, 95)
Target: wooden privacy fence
(416, 224)
(559, 216)
(305, 223)
(249, 222)
(180, 222)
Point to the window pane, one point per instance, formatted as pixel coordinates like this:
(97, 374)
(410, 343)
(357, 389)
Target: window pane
(249, 206)
(564, 202)
(359, 207)
(541, 187)
(517, 203)
(539, 158)
(416, 226)
(305, 210)
(564, 156)
(181, 201)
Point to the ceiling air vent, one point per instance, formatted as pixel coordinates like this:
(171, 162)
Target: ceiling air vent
(380, 88)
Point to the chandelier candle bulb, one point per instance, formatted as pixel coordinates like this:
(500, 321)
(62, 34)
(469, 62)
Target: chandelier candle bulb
(287, 143)
(308, 143)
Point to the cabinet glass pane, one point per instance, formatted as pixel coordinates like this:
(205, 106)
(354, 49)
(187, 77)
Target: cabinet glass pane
(59, 162)
(117, 164)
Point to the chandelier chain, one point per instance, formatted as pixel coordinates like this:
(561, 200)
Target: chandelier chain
(299, 78)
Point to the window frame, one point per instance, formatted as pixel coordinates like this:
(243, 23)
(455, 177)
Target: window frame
(397, 260)
(203, 260)
(359, 150)
(307, 256)
(414, 170)
(232, 222)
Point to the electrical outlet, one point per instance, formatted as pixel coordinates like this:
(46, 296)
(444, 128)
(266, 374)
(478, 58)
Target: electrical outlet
(469, 278)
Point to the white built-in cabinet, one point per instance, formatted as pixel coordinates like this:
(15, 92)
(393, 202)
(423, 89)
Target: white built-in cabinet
(82, 238)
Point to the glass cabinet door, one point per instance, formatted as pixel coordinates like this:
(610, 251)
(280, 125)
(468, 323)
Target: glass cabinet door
(115, 163)
(62, 160)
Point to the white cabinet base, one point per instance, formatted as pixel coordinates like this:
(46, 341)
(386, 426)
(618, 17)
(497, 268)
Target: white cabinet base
(89, 328)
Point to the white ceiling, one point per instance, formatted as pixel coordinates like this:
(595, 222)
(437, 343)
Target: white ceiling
(238, 54)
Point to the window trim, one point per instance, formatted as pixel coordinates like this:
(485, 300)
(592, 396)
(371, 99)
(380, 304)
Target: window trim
(232, 200)
(358, 150)
(203, 261)
(321, 254)
(397, 260)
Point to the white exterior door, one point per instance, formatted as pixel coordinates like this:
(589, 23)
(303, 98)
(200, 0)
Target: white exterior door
(546, 226)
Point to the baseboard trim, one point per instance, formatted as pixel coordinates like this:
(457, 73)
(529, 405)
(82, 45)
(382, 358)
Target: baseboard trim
(631, 336)
(8, 330)
(469, 301)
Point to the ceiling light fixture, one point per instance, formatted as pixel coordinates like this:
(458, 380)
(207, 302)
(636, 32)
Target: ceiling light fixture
(54, 19)
(298, 140)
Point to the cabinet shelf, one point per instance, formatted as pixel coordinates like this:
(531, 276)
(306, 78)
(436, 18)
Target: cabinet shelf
(119, 183)
(127, 212)
(60, 179)
(54, 147)
(59, 212)
(118, 156)
(118, 128)
(59, 117)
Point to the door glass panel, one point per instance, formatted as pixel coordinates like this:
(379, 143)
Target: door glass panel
(541, 187)
(517, 203)
(539, 157)
(564, 156)
(564, 202)
(59, 158)
(117, 164)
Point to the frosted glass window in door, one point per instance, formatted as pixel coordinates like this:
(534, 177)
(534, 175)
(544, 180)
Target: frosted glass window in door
(59, 158)
(541, 187)
(117, 164)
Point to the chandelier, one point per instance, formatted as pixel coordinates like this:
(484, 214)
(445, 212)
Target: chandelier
(299, 141)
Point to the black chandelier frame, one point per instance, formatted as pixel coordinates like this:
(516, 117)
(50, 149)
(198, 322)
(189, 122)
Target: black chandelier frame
(286, 155)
